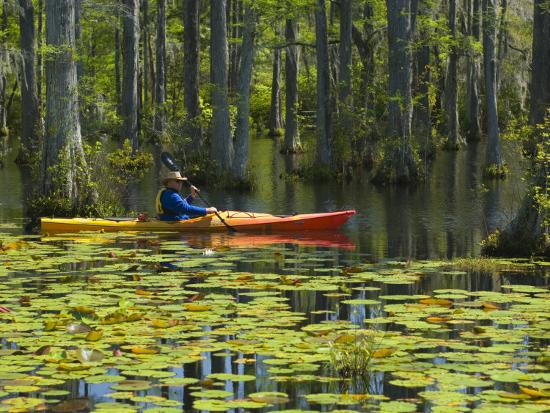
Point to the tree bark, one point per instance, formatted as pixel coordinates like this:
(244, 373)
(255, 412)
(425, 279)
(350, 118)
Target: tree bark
(64, 169)
(292, 136)
(275, 113)
(30, 113)
(144, 42)
(494, 157)
(3, 79)
(243, 93)
(221, 144)
(540, 76)
(160, 93)
(454, 140)
(130, 69)
(191, 66)
(345, 89)
(118, 85)
(401, 165)
(324, 126)
(39, 60)
(422, 113)
(472, 125)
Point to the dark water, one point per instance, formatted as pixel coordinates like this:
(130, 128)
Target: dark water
(443, 218)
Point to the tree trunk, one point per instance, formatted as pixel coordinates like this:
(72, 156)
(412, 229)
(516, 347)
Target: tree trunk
(3, 79)
(472, 127)
(64, 169)
(275, 113)
(292, 136)
(221, 144)
(160, 93)
(30, 113)
(494, 158)
(540, 76)
(324, 127)
(526, 233)
(144, 41)
(118, 86)
(39, 60)
(454, 140)
(191, 66)
(345, 90)
(130, 70)
(423, 115)
(401, 165)
(502, 38)
(234, 13)
(243, 93)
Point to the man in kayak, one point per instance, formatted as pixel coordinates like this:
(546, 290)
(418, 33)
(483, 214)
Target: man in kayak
(172, 207)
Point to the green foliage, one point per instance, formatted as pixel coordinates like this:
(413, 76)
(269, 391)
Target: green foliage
(496, 171)
(127, 165)
(351, 355)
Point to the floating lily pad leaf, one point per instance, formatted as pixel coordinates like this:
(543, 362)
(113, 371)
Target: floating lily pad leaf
(360, 301)
(269, 397)
(132, 385)
(23, 403)
(21, 389)
(162, 410)
(297, 411)
(397, 407)
(179, 381)
(232, 377)
(75, 328)
(114, 408)
(120, 395)
(447, 397)
(104, 378)
(212, 394)
(323, 398)
(512, 376)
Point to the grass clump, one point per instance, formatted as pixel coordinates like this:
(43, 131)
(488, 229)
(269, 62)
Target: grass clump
(351, 355)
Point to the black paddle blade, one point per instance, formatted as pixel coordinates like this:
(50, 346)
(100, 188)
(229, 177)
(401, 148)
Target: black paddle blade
(169, 162)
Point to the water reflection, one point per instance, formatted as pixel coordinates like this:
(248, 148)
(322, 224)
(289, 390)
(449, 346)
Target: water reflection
(445, 217)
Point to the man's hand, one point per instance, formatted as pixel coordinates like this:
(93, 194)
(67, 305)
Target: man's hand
(194, 191)
(211, 210)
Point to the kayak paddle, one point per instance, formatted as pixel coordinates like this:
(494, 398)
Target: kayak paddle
(169, 162)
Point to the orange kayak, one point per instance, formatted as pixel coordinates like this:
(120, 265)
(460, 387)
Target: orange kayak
(240, 221)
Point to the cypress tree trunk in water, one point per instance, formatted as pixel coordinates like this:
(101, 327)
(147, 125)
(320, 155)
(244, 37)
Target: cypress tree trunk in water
(472, 127)
(454, 140)
(39, 60)
(540, 76)
(494, 157)
(118, 86)
(243, 93)
(526, 233)
(191, 63)
(422, 113)
(130, 70)
(64, 170)
(275, 113)
(30, 114)
(160, 94)
(345, 91)
(292, 137)
(221, 144)
(324, 127)
(3, 80)
(400, 166)
(144, 41)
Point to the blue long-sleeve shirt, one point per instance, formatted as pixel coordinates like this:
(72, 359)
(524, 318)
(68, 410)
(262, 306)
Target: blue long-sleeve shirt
(177, 208)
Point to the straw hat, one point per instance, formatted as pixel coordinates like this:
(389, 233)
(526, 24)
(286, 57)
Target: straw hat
(175, 175)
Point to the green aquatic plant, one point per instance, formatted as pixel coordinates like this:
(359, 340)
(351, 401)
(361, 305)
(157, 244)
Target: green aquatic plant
(351, 354)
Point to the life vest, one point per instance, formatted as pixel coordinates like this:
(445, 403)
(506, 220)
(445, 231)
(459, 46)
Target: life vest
(158, 203)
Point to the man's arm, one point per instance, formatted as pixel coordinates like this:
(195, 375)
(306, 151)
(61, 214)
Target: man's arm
(181, 206)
